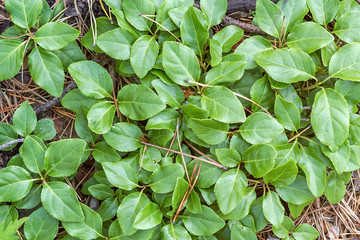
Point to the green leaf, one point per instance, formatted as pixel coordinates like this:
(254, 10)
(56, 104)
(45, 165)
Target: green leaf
(180, 63)
(309, 37)
(134, 8)
(282, 175)
(297, 192)
(75, 100)
(273, 209)
(305, 232)
(229, 189)
(41, 226)
(287, 113)
(45, 129)
(327, 52)
(7, 134)
(260, 128)
(47, 71)
(24, 13)
(139, 102)
(33, 153)
(24, 119)
(124, 137)
(55, 35)
(179, 192)
(242, 210)
(335, 188)
(323, 11)
(81, 126)
(294, 12)
(63, 157)
(163, 13)
(92, 79)
(330, 118)
(269, 17)
(214, 11)
(116, 43)
(252, 47)
(228, 157)
(228, 36)
(163, 179)
(104, 153)
(340, 157)
(143, 55)
(90, 228)
(130, 206)
(349, 90)
(31, 200)
(204, 224)
(121, 175)
(9, 232)
(11, 58)
(174, 232)
(283, 230)
(148, 217)
(345, 63)
(171, 95)
(193, 33)
(108, 208)
(15, 183)
(215, 52)
(315, 171)
(239, 232)
(100, 117)
(287, 65)
(262, 93)
(354, 162)
(60, 201)
(223, 105)
(259, 159)
(229, 70)
(166, 119)
(209, 130)
(347, 27)
(101, 191)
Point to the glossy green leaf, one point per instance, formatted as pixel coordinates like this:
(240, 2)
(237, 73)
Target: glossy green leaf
(41, 226)
(293, 11)
(31, 200)
(24, 13)
(55, 35)
(143, 55)
(124, 137)
(163, 13)
(81, 126)
(354, 161)
(309, 37)
(171, 95)
(209, 130)
(180, 63)
(273, 209)
(134, 8)
(139, 102)
(204, 224)
(282, 175)
(208, 176)
(174, 232)
(116, 43)
(15, 183)
(330, 118)
(229, 189)
(69, 54)
(283, 230)
(297, 192)
(305, 232)
(24, 119)
(214, 11)
(335, 188)
(45, 129)
(92, 79)
(7, 133)
(349, 90)
(345, 63)
(101, 191)
(148, 217)
(229, 70)
(338, 158)
(63, 157)
(315, 171)
(164, 178)
(287, 113)
(108, 208)
(11, 58)
(269, 17)
(193, 33)
(259, 159)
(223, 105)
(121, 175)
(100, 117)
(47, 71)
(75, 100)
(130, 206)
(60, 201)
(262, 93)
(90, 228)
(104, 153)
(260, 128)
(242, 210)
(228, 37)
(166, 119)
(287, 65)
(252, 47)
(239, 232)
(323, 11)
(215, 52)
(346, 27)
(33, 153)
(177, 14)
(228, 157)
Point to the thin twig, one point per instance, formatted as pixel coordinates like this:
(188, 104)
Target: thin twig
(200, 152)
(297, 135)
(8, 144)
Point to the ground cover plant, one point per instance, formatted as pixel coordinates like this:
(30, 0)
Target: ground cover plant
(193, 137)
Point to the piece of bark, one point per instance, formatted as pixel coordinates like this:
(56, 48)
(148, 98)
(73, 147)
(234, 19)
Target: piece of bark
(245, 26)
(242, 5)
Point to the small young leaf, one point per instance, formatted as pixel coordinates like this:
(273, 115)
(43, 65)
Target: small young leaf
(11, 58)
(228, 36)
(45, 129)
(121, 175)
(100, 117)
(41, 226)
(338, 158)
(24, 13)
(7, 133)
(228, 157)
(283, 230)
(133, 10)
(259, 159)
(15, 183)
(33, 153)
(335, 188)
(305, 232)
(24, 119)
